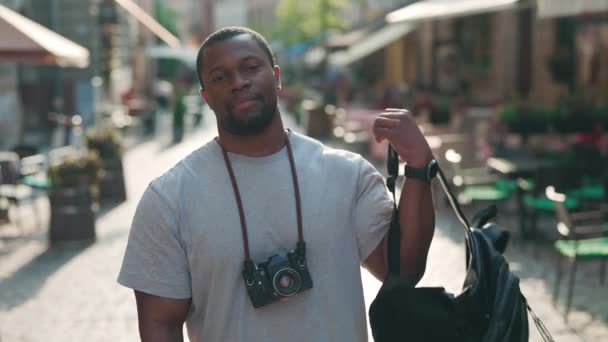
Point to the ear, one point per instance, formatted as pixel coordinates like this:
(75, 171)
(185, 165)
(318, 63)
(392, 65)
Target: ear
(204, 95)
(277, 76)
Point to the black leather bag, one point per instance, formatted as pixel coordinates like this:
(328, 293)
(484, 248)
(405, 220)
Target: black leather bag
(490, 308)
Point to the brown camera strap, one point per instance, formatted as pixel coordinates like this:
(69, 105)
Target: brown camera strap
(239, 202)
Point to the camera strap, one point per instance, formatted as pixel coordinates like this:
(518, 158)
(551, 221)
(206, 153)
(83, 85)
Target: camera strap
(294, 176)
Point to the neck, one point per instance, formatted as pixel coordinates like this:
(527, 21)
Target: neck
(267, 142)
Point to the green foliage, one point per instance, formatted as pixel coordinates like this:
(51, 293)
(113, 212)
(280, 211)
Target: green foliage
(167, 17)
(525, 118)
(300, 21)
(575, 115)
(601, 115)
(441, 112)
(107, 143)
(571, 115)
(76, 171)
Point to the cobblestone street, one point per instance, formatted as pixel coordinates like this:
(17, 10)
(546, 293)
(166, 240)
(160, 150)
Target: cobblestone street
(69, 293)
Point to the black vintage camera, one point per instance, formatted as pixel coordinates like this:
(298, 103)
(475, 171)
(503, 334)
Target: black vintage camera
(279, 277)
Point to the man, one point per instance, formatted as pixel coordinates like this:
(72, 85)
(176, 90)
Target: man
(188, 240)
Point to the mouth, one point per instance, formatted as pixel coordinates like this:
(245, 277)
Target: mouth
(245, 102)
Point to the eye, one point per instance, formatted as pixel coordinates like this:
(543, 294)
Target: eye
(217, 78)
(252, 67)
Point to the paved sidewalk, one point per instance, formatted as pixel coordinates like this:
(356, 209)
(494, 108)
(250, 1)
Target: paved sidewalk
(70, 293)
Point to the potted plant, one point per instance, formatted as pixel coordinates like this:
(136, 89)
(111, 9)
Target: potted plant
(601, 115)
(575, 114)
(524, 119)
(107, 143)
(74, 186)
(441, 111)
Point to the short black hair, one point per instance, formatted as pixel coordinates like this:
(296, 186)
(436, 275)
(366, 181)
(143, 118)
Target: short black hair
(225, 34)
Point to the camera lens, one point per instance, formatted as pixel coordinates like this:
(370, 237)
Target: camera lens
(286, 282)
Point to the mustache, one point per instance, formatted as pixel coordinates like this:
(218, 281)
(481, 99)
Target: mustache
(245, 97)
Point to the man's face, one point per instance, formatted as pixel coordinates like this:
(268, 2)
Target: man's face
(240, 85)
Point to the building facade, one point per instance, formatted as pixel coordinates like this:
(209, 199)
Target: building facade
(10, 105)
(107, 32)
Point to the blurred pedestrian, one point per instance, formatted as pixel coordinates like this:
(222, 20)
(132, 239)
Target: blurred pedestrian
(164, 94)
(301, 215)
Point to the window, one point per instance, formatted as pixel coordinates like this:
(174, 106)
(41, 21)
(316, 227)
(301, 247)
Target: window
(474, 34)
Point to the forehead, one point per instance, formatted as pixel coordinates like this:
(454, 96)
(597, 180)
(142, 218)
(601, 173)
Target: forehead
(231, 50)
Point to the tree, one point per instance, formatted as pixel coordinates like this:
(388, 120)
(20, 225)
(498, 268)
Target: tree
(301, 21)
(167, 17)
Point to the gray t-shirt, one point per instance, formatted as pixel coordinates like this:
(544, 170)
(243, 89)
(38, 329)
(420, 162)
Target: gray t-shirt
(186, 241)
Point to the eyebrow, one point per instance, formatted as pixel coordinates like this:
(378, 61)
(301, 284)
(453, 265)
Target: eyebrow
(243, 60)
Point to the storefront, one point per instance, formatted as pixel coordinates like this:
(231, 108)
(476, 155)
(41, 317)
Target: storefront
(27, 42)
(578, 48)
(563, 8)
(10, 108)
(591, 57)
(466, 47)
(384, 57)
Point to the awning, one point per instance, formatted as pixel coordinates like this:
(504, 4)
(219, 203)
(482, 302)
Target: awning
(370, 44)
(149, 22)
(185, 54)
(25, 41)
(435, 9)
(560, 8)
(346, 39)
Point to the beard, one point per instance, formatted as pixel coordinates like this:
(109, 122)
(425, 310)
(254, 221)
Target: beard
(254, 124)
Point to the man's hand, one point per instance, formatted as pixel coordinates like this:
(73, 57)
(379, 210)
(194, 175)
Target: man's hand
(400, 129)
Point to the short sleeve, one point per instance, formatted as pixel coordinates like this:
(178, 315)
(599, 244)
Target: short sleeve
(372, 210)
(155, 260)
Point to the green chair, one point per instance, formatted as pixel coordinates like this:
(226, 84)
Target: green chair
(592, 192)
(23, 179)
(478, 184)
(499, 190)
(583, 236)
(566, 179)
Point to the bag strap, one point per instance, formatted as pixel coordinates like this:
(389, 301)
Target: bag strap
(540, 326)
(394, 233)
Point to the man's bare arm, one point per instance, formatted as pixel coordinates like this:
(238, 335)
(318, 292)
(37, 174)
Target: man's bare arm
(161, 319)
(417, 221)
(416, 211)
(376, 263)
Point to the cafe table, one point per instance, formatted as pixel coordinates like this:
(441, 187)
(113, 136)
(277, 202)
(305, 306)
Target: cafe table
(518, 167)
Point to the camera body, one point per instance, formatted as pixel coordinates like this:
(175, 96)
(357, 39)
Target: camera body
(278, 278)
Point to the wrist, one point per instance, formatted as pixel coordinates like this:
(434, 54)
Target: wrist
(419, 161)
(426, 172)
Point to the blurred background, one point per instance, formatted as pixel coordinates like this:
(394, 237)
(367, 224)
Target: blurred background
(98, 97)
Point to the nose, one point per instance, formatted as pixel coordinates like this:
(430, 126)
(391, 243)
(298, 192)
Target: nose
(240, 81)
